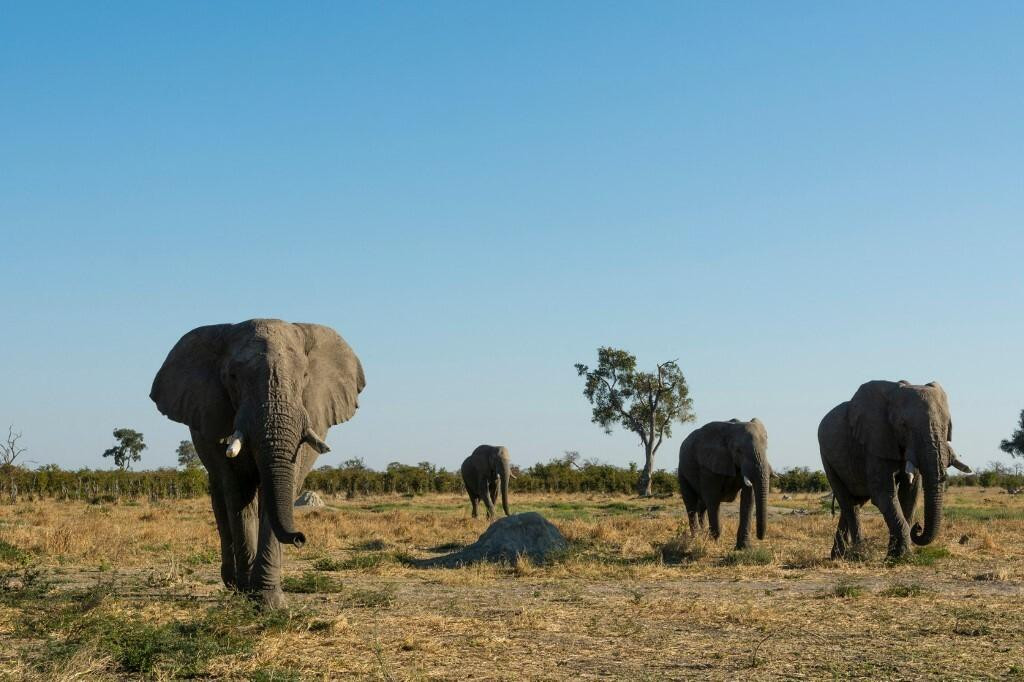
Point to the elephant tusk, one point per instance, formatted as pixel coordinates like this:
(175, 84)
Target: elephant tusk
(315, 441)
(957, 464)
(747, 482)
(910, 469)
(234, 443)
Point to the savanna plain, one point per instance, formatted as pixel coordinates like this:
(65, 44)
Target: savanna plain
(132, 590)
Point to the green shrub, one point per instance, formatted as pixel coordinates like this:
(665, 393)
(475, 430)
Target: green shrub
(902, 590)
(11, 554)
(847, 590)
(757, 556)
(311, 583)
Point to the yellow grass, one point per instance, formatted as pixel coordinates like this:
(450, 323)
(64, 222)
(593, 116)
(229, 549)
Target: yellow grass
(610, 609)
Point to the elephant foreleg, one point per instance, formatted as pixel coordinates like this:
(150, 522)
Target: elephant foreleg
(220, 514)
(242, 513)
(882, 479)
(488, 501)
(266, 573)
(746, 513)
(492, 488)
(711, 496)
(907, 493)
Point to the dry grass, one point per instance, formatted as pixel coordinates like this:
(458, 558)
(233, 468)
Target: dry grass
(612, 608)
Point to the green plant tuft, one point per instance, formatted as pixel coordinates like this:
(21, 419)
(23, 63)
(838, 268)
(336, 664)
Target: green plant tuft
(311, 583)
(757, 556)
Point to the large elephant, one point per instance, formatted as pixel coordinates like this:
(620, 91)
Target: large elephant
(882, 445)
(483, 471)
(719, 460)
(267, 390)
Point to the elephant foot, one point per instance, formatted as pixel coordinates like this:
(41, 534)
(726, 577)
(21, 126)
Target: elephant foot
(742, 544)
(227, 575)
(269, 599)
(898, 548)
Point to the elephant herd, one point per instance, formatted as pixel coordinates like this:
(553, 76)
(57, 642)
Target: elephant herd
(885, 444)
(259, 397)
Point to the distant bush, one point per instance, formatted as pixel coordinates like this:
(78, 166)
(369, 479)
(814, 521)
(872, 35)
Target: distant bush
(802, 480)
(996, 475)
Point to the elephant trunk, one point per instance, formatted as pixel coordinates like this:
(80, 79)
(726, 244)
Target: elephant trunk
(275, 456)
(761, 480)
(931, 474)
(505, 473)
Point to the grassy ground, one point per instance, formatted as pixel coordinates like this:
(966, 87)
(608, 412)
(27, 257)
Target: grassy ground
(132, 590)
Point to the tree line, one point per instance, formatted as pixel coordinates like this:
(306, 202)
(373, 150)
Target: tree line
(354, 479)
(645, 403)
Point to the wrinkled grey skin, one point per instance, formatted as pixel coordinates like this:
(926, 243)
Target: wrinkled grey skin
(719, 460)
(281, 386)
(483, 472)
(867, 446)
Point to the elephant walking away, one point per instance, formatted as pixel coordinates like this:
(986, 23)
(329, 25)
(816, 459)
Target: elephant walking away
(719, 460)
(258, 397)
(484, 472)
(882, 445)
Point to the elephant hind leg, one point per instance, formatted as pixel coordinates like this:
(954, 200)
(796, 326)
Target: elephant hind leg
(473, 500)
(841, 544)
(848, 529)
(692, 503)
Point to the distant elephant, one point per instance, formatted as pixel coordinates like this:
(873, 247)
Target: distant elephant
(482, 472)
(267, 390)
(874, 446)
(719, 460)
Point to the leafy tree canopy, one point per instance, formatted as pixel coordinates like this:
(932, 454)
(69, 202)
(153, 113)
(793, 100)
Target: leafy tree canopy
(128, 449)
(1014, 445)
(646, 403)
(187, 455)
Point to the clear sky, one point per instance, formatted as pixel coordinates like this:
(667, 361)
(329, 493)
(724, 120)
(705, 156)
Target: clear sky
(790, 198)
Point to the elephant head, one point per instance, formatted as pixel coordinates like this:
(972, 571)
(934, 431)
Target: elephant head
(911, 425)
(736, 448)
(274, 387)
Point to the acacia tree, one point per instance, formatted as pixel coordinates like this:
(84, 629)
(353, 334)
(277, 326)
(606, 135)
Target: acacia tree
(128, 449)
(646, 403)
(187, 455)
(1014, 445)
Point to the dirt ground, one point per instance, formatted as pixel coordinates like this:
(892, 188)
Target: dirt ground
(132, 590)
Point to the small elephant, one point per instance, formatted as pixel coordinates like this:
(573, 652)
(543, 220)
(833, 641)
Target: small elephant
(881, 445)
(719, 460)
(258, 396)
(482, 472)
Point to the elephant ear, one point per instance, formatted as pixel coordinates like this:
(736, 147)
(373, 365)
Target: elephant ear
(870, 421)
(713, 451)
(188, 389)
(335, 376)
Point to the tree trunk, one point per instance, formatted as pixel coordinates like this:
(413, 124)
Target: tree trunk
(643, 486)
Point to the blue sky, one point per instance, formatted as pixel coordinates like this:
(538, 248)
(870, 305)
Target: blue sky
(790, 198)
